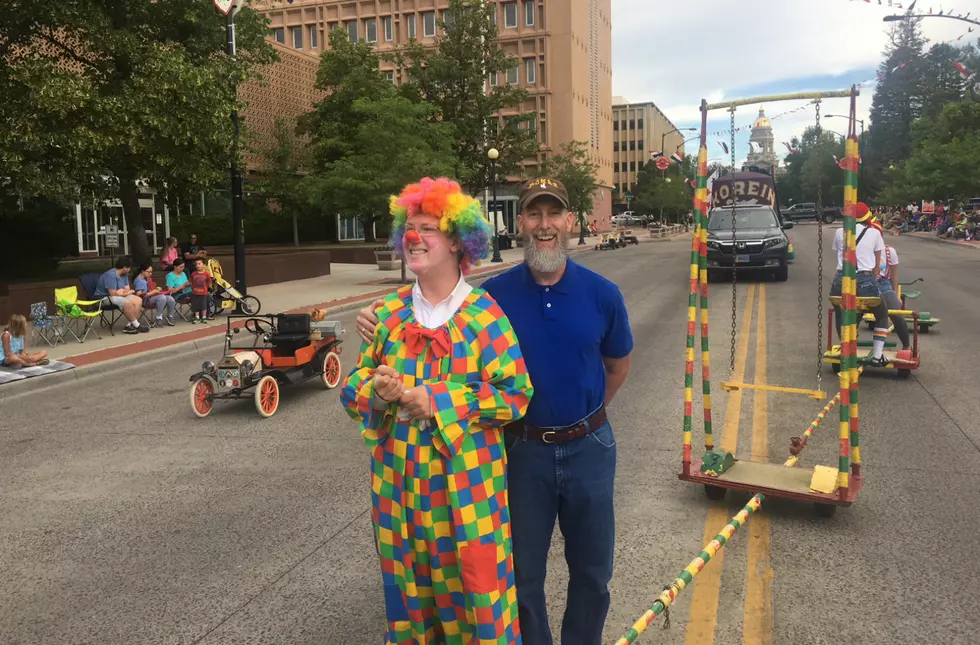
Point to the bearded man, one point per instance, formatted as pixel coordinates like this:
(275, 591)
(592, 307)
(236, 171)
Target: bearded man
(575, 336)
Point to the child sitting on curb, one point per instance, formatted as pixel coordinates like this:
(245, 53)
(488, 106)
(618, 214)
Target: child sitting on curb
(12, 352)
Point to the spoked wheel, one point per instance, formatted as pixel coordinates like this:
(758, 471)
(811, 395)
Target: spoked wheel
(330, 377)
(267, 396)
(714, 493)
(251, 305)
(202, 397)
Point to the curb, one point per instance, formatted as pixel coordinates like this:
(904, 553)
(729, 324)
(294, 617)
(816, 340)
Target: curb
(932, 238)
(179, 348)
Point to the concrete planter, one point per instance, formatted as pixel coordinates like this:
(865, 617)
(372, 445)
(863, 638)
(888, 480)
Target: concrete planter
(387, 260)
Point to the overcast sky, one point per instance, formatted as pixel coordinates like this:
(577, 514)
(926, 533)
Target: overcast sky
(674, 52)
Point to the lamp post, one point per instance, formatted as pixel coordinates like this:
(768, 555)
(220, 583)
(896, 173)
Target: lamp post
(663, 137)
(493, 154)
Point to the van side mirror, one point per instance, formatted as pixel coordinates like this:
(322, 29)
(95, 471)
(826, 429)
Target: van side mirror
(787, 225)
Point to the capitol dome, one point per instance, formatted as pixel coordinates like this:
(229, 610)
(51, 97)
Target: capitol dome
(762, 121)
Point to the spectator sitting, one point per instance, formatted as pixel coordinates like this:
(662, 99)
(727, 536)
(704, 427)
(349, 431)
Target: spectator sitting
(113, 288)
(169, 255)
(177, 282)
(194, 251)
(12, 352)
(200, 293)
(152, 296)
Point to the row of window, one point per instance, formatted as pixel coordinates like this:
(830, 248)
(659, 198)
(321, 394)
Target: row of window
(634, 145)
(633, 166)
(370, 27)
(512, 75)
(634, 124)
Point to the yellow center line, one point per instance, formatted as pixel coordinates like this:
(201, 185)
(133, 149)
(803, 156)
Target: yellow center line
(704, 599)
(757, 621)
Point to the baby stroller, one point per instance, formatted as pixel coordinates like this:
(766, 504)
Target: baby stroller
(225, 296)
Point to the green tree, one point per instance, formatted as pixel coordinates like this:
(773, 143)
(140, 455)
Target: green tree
(453, 76)
(822, 178)
(110, 93)
(665, 193)
(368, 141)
(573, 167)
(287, 161)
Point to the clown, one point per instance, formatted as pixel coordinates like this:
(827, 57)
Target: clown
(431, 393)
(869, 249)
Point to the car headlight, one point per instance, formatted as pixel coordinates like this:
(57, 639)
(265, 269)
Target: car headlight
(714, 244)
(773, 242)
(247, 367)
(207, 366)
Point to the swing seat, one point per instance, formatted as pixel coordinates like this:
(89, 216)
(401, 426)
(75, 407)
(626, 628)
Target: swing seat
(774, 480)
(862, 304)
(816, 395)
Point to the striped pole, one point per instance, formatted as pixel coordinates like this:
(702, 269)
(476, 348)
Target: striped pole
(692, 569)
(692, 305)
(701, 202)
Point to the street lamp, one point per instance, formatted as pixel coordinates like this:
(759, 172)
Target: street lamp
(493, 154)
(663, 137)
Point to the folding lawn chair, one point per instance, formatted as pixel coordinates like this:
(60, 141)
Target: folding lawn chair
(49, 328)
(84, 312)
(108, 312)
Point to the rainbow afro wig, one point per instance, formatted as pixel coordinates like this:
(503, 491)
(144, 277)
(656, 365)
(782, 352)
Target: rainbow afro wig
(460, 216)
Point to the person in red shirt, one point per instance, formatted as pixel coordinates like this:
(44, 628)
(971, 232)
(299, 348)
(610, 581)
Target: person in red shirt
(200, 292)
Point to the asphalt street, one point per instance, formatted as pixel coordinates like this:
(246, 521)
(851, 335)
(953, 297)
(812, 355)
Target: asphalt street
(126, 520)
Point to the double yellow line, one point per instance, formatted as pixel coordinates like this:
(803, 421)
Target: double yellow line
(757, 622)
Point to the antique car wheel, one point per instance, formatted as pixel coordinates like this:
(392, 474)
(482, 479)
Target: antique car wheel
(202, 393)
(267, 396)
(330, 376)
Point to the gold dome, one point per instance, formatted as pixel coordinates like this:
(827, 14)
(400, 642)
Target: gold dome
(762, 121)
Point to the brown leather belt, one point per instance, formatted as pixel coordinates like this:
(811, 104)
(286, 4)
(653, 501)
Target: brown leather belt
(559, 435)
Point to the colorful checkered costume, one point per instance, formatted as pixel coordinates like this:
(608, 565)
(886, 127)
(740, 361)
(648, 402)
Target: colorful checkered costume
(439, 487)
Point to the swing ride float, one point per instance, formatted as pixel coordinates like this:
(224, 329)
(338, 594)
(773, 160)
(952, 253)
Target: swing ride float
(718, 472)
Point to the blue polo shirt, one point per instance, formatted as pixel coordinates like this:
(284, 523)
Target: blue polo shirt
(109, 280)
(564, 330)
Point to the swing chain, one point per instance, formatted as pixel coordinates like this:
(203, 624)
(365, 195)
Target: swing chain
(731, 361)
(819, 264)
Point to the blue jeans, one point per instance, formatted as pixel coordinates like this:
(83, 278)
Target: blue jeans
(867, 287)
(573, 483)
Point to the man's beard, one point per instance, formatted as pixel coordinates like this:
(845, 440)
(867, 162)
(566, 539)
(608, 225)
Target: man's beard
(545, 261)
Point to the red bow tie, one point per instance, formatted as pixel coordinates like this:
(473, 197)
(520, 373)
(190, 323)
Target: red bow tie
(418, 337)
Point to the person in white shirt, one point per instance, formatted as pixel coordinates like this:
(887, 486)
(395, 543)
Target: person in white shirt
(888, 286)
(869, 248)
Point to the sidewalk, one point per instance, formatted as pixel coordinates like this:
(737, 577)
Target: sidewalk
(932, 237)
(349, 286)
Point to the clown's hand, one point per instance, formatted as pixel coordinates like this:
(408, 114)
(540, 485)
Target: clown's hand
(388, 385)
(416, 403)
(367, 321)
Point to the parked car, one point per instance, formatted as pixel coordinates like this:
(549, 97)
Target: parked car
(759, 243)
(808, 210)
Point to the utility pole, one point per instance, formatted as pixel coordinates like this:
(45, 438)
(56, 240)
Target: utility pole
(229, 8)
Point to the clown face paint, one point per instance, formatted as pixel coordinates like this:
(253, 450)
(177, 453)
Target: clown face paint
(427, 248)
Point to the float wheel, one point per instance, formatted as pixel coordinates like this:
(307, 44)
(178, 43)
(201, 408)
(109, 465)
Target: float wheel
(714, 493)
(267, 396)
(202, 397)
(330, 376)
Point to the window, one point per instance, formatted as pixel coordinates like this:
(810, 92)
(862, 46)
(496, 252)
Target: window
(387, 24)
(352, 30)
(333, 26)
(616, 167)
(632, 166)
(512, 76)
(529, 13)
(390, 76)
(351, 228)
(314, 40)
(639, 145)
(371, 29)
(447, 17)
(632, 145)
(616, 126)
(531, 71)
(615, 146)
(429, 24)
(297, 35)
(632, 124)
(279, 35)
(639, 124)
(622, 124)
(494, 80)
(510, 15)
(639, 165)
(493, 13)
(410, 23)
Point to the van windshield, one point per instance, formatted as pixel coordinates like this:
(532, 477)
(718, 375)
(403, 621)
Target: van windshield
(760, 217)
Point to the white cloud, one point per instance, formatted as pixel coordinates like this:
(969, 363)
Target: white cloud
(674, 53)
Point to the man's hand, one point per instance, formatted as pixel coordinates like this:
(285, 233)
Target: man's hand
(367, 321)
(388, 385)
(416, 403)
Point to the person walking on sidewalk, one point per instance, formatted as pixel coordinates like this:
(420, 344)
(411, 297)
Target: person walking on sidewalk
(575, 334)
(432, 391)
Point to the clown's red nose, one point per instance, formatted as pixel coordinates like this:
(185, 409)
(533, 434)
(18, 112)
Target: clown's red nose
(413, 237)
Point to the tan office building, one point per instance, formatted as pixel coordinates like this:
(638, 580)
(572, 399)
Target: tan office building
(564, 49)
(638, 129)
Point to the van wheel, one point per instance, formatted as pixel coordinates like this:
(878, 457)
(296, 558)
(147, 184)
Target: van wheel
(782, 273)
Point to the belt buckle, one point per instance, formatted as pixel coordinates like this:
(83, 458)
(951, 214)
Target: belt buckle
(545, 438)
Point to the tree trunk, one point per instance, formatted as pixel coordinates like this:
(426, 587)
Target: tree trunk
(139, 250)
(295, 230)
(369, 228)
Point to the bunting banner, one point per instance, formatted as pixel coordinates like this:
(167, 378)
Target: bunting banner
(724, 146)
(677, 158)
(792, 150)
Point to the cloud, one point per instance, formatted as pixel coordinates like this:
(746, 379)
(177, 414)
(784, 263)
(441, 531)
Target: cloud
(674, 53)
